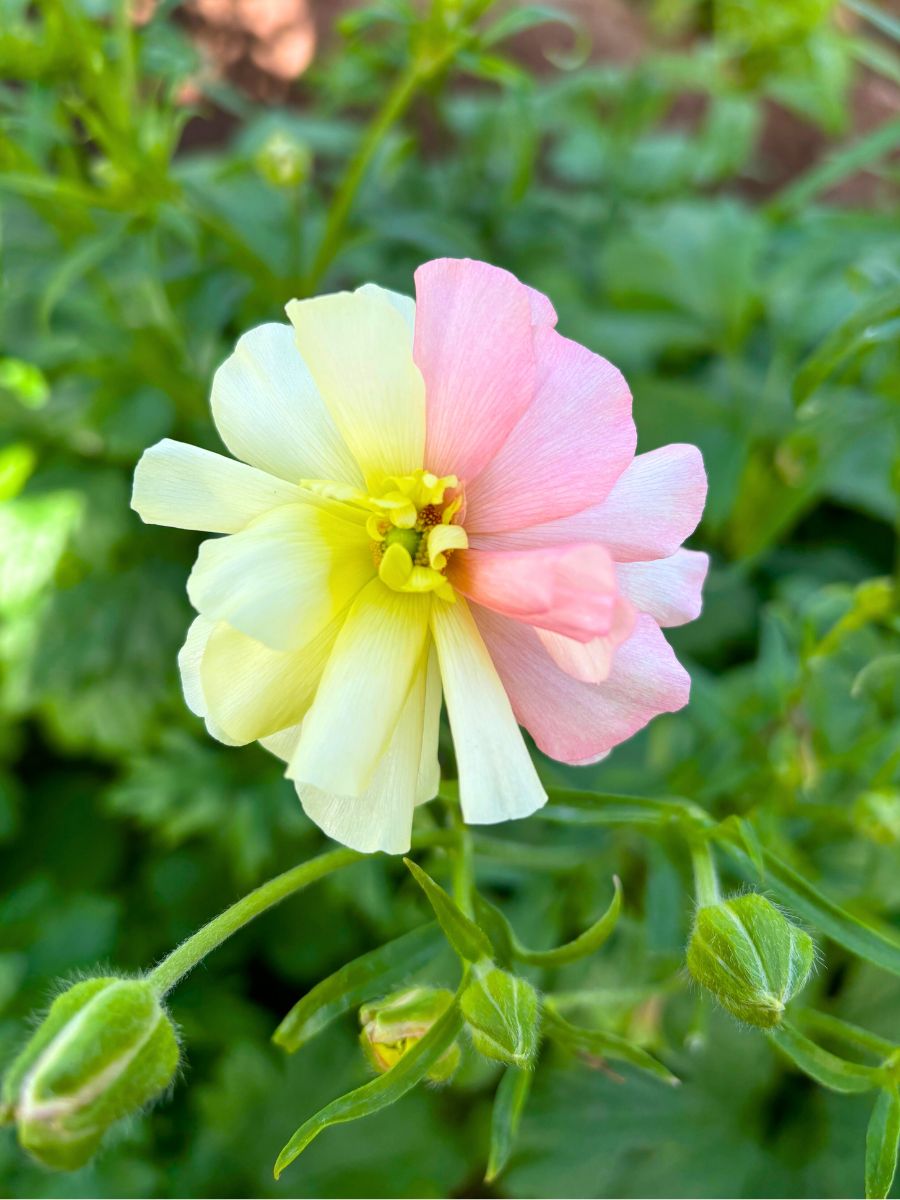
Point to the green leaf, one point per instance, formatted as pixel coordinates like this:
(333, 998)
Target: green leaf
(354, 983)
(856, 155)
(387, 1089)
(509, 947)
(825, 1068)
(469, 942)
(861, 938)
(509, 1104)
(882, 1139)
(601, 1044)
(503, 1013)
(872, 322)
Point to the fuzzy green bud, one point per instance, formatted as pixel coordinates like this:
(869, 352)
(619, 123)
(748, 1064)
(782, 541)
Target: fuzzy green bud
(104, 1050)
(393, 1025)
(503, 1013)
(750, 956)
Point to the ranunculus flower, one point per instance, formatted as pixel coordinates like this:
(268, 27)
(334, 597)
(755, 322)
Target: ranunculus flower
(438, 498)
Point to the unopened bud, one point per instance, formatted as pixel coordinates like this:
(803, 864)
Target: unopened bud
(104, 1050)
(504, 1015)
(393, 1025)
(750, 956)
(283, 161)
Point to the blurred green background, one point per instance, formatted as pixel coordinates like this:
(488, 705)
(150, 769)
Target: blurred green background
(709, 195)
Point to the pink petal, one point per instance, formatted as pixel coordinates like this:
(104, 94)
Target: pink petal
(568, 448)
(570, 589)
(653, 506)
(669, 589)
(473, 346)
(542, 311)
(592, 661)
(577, 722)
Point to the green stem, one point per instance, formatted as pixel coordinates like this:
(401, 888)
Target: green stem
(185, 957)
(422, 68)
(706, 877)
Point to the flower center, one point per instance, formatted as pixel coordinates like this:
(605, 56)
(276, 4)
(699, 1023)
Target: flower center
(413, 534)
(411, 524)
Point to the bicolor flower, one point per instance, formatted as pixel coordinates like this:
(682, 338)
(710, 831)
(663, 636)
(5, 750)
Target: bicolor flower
(432, 499)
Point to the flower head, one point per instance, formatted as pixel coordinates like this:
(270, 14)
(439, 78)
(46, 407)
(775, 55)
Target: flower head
(436, 498)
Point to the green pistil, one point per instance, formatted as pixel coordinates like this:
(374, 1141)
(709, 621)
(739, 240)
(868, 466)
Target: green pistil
(409, 539)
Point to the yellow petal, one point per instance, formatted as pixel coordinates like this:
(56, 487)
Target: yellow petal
(189, 488)
(396, 566)
(283, 578)
(380, 818)
(363, 690)
(442, 538)
(358, 348)
(251, 691)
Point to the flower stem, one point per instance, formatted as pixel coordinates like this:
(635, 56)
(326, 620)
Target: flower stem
(706, 877)
(185, 957)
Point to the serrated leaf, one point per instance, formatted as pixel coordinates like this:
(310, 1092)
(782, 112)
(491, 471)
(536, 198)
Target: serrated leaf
(882, 1139)
(387, 1089)
(509, 1104)
(469, 942)
(354, 983)
(601, 1044)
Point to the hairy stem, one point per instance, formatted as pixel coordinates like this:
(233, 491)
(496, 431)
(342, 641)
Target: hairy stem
(185, 957)
(706, 877)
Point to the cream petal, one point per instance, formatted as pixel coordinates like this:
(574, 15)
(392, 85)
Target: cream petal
(189, 488)
(497, 779)
(381, 818)
(270, 413)
(363, 690)
(358, 348)
(429, 779)
(190, 658)
(252, 691)
(283, 578)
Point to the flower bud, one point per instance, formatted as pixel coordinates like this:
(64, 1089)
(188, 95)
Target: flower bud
(750, 956)
(105, 1049)
(503, 1013)
(392, 1026)
(283, 161)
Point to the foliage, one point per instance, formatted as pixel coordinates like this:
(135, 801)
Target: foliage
(763, 329)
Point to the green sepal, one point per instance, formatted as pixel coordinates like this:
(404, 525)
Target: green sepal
(821, 1065)
(470, 943)
(503, 1012)
(509, 1104)
(509, 947)
(750, 957)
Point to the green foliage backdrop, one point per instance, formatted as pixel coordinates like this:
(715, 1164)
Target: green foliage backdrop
(758, 321)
